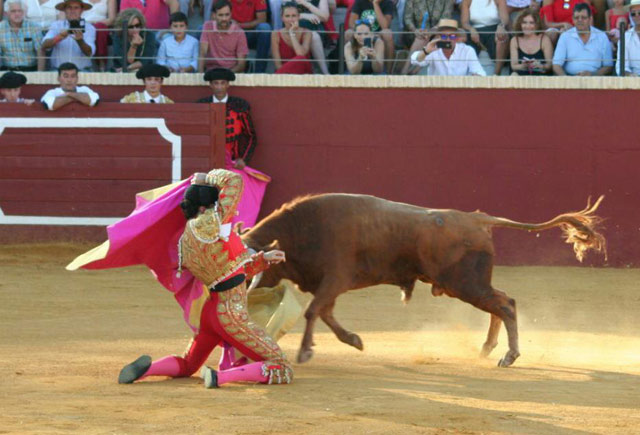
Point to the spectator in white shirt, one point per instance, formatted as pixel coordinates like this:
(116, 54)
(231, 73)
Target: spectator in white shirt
(632, 43)
(445, 56)
(72, 39)
(69, 91)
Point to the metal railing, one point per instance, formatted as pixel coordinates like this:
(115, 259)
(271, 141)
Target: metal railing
(338, 46)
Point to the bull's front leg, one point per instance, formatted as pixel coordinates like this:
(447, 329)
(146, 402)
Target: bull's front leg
(306, 352)
(348, 337)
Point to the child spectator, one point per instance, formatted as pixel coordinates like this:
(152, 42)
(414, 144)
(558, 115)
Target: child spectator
(179, 51)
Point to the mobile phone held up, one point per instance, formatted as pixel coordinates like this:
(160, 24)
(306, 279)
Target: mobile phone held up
(76, 25)
(443, 44)
(368, 42)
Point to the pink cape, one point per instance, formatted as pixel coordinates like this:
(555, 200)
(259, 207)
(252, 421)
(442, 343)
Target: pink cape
(149, 235)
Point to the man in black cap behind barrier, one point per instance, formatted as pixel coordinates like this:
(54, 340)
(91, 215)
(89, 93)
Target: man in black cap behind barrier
(10, 86)
(153, 76)
(240, 142)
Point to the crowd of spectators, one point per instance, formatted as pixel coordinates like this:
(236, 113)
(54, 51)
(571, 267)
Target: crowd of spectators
(429, 37)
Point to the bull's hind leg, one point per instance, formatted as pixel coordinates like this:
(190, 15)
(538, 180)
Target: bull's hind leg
(492, 336)
(348, 337)
(504, 308)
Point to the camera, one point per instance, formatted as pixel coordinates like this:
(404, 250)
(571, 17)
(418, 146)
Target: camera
(76, 25)
(443, 44)
(368, 42)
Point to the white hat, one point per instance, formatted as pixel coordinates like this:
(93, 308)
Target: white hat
(632, 4)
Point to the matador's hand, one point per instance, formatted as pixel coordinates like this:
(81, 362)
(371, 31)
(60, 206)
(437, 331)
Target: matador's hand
(199, 178)
(275, 256)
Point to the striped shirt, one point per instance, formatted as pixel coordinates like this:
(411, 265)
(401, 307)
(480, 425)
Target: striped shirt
(20, 48)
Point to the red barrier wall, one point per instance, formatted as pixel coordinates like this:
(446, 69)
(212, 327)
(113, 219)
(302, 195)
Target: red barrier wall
(523, 154)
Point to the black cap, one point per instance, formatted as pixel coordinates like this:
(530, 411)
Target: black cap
(11, 80)
(153, 70)
(219, 74)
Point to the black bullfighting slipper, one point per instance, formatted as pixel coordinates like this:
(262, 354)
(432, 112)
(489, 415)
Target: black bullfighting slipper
(210, 377)
(135, 370)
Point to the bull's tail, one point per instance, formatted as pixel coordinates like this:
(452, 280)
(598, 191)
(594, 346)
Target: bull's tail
(580, 228)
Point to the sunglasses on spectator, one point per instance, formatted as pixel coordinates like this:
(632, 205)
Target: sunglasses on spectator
(289, 5)
(449, 37)
(135, 26)
(365, 22)
(634, 14)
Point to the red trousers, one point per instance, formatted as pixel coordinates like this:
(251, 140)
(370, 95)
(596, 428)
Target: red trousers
(225, 318)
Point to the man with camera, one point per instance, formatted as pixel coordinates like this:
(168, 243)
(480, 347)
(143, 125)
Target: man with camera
(444, 55)
(71, 40)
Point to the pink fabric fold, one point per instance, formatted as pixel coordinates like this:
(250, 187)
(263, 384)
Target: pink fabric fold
(149, 236)
(255, 184)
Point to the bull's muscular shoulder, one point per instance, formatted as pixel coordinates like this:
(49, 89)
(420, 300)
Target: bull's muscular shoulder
(238, 104)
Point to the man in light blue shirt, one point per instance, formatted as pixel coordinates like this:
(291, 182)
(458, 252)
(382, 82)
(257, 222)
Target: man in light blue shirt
(583, 50)
(179, 51)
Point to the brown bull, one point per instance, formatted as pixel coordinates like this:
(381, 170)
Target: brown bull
(340, 242)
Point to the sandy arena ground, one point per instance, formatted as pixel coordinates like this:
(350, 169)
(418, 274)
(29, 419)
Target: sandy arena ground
(66, 335)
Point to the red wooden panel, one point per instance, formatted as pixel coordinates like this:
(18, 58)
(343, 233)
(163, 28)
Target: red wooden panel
(85, 168)
(74, 209)
(70, 190)
(524, 154)
(93, 145)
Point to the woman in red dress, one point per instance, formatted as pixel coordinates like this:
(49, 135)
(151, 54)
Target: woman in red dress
(290, 46)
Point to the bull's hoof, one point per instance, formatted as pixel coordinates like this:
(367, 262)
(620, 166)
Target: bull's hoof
(304, 355)
(508, 359)
(487, 348)
(355, 341)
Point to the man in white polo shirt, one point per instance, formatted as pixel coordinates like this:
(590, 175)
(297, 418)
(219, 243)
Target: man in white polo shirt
(69, 91)
(445, 56)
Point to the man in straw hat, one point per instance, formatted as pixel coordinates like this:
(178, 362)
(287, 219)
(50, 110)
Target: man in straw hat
(153, 76)
(632, 43)
(444, 55)
(10, 84)
(72, 39)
